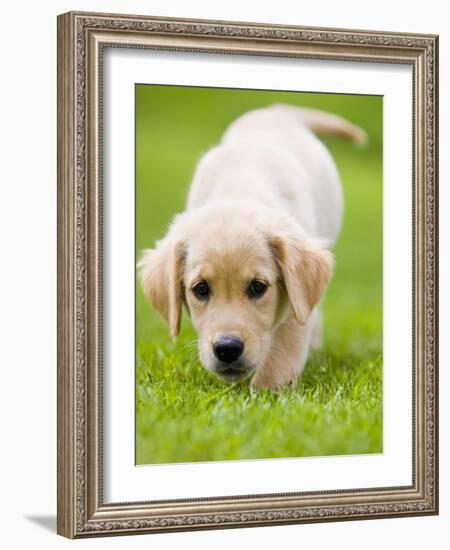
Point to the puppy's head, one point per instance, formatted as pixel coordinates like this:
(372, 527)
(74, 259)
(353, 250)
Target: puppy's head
(240, 274)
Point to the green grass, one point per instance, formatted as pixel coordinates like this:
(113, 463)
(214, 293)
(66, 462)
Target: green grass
(183, 413)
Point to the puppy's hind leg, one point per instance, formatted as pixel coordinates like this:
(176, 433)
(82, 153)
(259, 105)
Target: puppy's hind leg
(317, 329)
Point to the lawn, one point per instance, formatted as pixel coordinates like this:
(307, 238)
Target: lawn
(183, 413)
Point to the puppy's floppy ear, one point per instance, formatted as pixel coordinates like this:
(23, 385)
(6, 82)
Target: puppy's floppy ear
(306, 268)
(161, 276)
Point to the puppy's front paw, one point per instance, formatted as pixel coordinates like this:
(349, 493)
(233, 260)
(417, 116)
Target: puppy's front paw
(264, 380)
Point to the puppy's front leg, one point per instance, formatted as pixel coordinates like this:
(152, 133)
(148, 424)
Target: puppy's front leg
(287, 356)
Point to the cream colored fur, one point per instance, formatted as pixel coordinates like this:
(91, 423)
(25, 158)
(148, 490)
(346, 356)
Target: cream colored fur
(266, 203)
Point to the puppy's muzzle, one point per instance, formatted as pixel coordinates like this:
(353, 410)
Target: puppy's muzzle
(230, 365)
(228, 349)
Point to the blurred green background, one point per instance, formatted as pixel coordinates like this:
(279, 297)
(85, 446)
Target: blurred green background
(182, 412)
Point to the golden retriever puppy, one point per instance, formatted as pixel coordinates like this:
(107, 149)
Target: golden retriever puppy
(250, 257)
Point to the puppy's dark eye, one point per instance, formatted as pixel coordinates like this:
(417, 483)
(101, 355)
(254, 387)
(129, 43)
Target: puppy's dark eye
(201, 290)
(256, 289)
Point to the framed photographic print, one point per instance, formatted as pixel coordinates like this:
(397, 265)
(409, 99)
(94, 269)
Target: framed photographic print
(247, 274)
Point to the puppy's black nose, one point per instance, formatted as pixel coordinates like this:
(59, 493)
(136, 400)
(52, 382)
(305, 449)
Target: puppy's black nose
(228, 348)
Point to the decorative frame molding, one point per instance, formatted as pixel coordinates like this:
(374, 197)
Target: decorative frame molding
(81, 37)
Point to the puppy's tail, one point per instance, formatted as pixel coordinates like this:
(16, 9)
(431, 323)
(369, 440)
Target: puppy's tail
(328, 124)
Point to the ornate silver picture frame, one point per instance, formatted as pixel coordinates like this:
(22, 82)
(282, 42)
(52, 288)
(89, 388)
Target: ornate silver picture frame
(82, 40)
